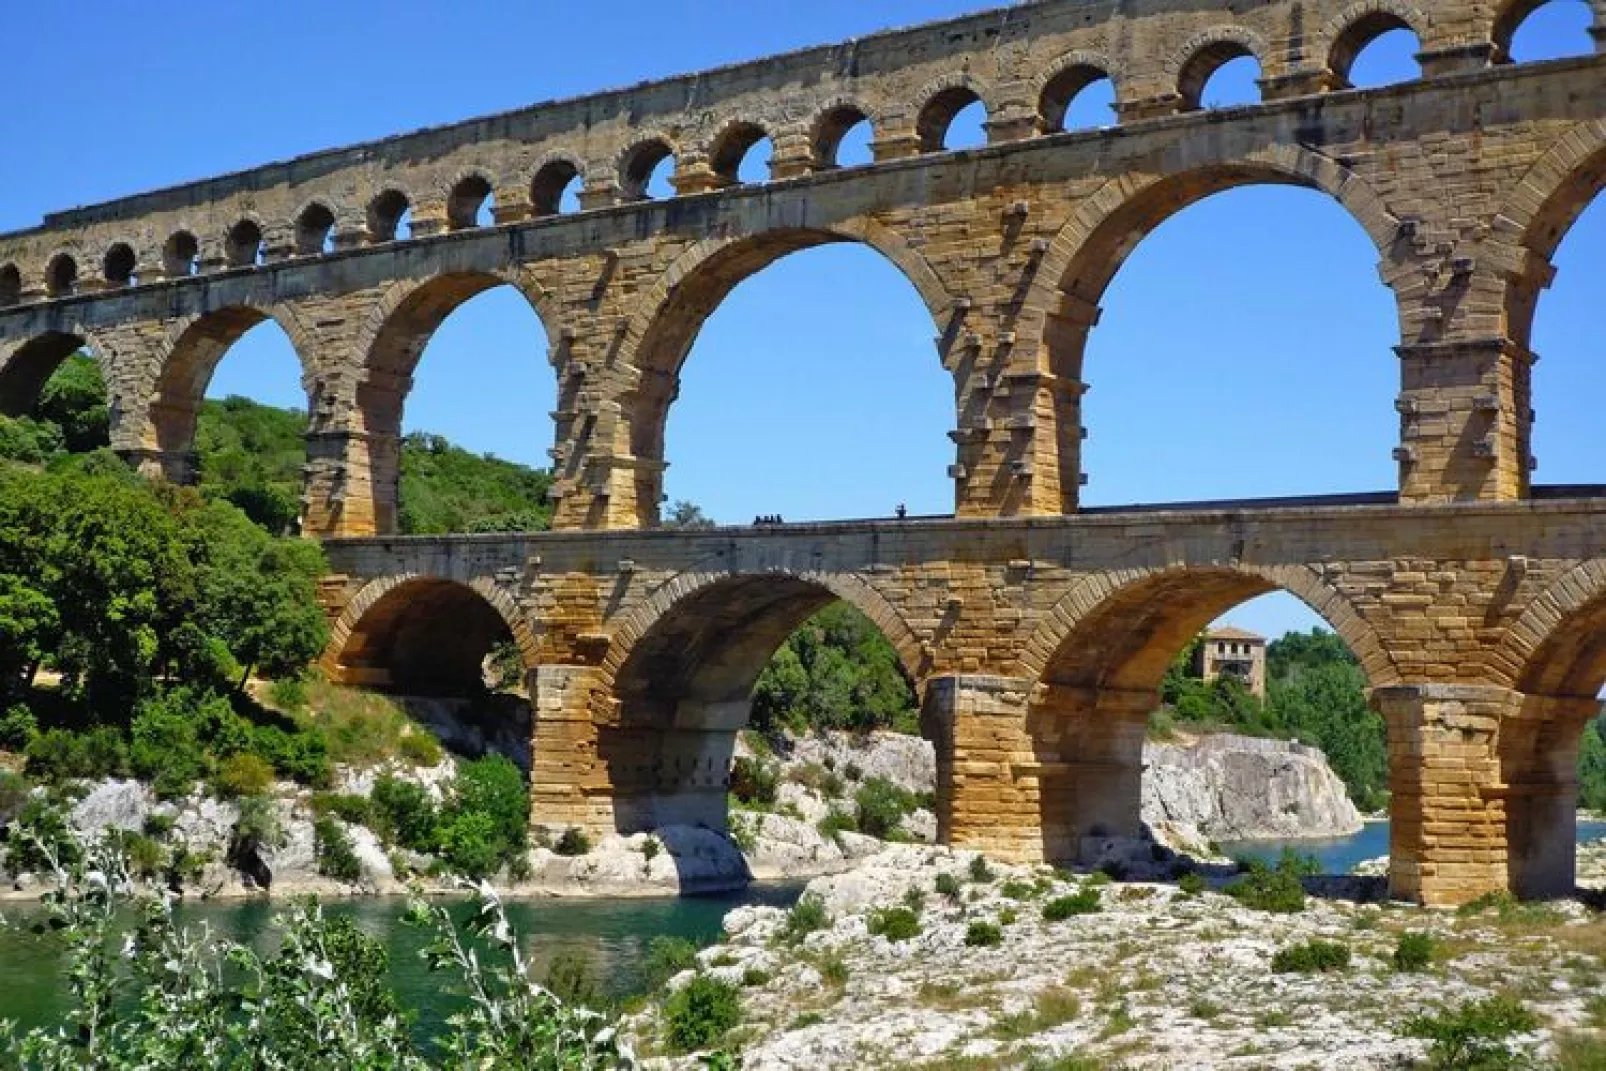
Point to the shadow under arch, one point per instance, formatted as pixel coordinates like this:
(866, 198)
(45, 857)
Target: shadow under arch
(681, 672)
(1554, 657)
(1096, 665)
(422, 635)
(1061, 305)
(26, 366)
(669, 318)
(391, 343)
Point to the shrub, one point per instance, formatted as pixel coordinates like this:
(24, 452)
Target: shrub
(1269, 890)
(806, 916)
(470, 845)
(700, 1013)
(404, 813)
(1414, 951)
(158, 825)
(352, 809)
(1310, 957)
(837, 822)
(569, 978)
(980, 872)
(243, 774)
(1017, 890)
(18, 728)
(288, 694)
(946, 885)
(667, 957)
(332, 845)
(754, 782)
(40, 831)
(573, 842)
(14, 792)
(494, 788)
(1082, 902)
(894, 923)
(651, 848)
(302, 756)
(1191, 883)
(60, 754)
(833, 968)
(1473, 1035)
(146, 858)
(881, 807)
(981, 934)
(420, 748)
(166, 746)
(753, 977)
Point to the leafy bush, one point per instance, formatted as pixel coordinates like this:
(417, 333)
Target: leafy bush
(882, 807)
(302, 756)
(667, 957)
(1414, 952)
(288, 694)
(894, 923)
(569, 978)
(1313, 956)
(351, 809)
(61, 754)
(256, 828)
(946, 885)
(701, 1012)
(18, 728)
(420, 748)
(470, 844)
(807, 916)
(1473, 1035)
(243, 774)
(1081, 902)
(493, 789)
(980, 934)
(41, 838)
(980, 872)
(404, 813)
(754, 782)
(836, 822)
(14, 793)
(573, 842)
(1265, 889)
(181, 998)
(336, 856)
(1191, 883)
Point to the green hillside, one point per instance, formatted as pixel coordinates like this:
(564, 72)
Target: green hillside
(251, 454)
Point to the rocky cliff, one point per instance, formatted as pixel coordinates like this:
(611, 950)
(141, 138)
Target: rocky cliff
(1242, 788)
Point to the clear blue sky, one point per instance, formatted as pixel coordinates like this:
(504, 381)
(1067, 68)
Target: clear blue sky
(1221, 338)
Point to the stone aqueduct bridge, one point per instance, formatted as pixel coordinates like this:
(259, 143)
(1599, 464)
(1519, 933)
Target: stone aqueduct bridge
(1037, 634)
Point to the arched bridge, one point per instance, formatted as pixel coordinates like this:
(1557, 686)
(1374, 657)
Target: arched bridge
(1036, 632)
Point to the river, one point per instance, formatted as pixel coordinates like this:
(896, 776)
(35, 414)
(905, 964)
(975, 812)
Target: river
(612, 935)
(1339, 855)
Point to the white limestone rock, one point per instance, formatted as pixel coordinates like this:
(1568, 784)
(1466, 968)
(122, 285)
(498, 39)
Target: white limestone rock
(1243, 788)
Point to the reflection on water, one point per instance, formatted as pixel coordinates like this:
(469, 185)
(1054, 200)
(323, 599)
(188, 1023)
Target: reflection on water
(612, 935)
(1339, 855)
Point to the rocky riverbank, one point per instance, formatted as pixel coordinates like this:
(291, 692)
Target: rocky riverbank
(990, 966)
(818, 805)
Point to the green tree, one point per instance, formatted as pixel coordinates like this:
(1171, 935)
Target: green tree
(837, 671)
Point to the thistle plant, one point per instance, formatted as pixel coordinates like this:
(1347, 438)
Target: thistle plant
(149, 994)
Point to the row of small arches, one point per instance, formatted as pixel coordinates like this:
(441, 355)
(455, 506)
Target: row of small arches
(651, 167)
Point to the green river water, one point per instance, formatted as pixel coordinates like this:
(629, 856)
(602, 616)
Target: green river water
(611, 934)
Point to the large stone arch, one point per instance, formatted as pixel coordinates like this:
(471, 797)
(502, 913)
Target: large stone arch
(668, 317)
(1536, 215)
(389, 344)
(675, 686)
(1093, 669)
(27, 364)
(1061, 305)
(1093, 594)
(351, 657)
(191, 350)
(851, 588)
(1557, 646)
